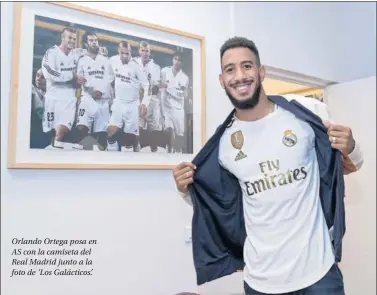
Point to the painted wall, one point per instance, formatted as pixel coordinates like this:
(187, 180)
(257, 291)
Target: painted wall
(354, 104)
(334, 41)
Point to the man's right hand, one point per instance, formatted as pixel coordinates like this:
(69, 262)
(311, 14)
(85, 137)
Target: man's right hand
(81, 80)
(143, 110)
(183, 176)
(96, 94)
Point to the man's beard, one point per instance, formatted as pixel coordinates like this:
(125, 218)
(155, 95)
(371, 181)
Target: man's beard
(94, 49)
(248, 103)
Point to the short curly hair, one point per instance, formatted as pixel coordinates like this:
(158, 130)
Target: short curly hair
(236, 42)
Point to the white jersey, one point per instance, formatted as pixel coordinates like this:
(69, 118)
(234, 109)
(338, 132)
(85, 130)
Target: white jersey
(98, 74)
(288, 245)
(129, 79)
(58, 69)
(177, 85)
(151, 70)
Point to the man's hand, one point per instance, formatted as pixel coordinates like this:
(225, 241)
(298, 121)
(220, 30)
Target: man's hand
(183, 176)
(341, 137)
(143, 110)
(81, 80)
(96, 94)
(103, 51)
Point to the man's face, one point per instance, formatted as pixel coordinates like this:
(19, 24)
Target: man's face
(124, 54)
(40, 80)
(241, 77)
(177, 62)
(92, 44)
(144, 53)
(69, 40)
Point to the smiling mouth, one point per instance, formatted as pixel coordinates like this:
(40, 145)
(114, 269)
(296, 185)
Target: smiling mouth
(243, 88)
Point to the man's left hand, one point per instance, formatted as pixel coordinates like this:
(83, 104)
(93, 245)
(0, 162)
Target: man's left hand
(143, 110)
(341, 137)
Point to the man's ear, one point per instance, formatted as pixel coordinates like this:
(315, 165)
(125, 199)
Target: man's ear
(221, 81)
(262, 73)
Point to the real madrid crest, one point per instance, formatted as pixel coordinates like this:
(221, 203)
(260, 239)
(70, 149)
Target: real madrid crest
(237, 141)
(289, 138)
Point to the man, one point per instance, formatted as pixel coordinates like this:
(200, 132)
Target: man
(38, 139)
(59, 66)
(94, 76)
(38, 93)
(151, 122)
(125, 111)
(175, 85)
(268, 187)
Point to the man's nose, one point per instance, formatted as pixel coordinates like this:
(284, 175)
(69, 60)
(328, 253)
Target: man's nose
(240, 74)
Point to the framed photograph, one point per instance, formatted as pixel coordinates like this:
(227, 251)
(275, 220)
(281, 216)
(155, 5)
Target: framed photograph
(93, 90)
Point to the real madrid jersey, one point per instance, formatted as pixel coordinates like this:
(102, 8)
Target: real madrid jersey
(288, 244)
(151, 69)
(58, 69)
(177, 84)
(98, 74)
(129, 79)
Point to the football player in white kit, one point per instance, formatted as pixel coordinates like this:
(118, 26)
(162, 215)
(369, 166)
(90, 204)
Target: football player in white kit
(174, 83)
(59, 67)
(95, 74)
(152, 122)
(127, 106)
(38, 139)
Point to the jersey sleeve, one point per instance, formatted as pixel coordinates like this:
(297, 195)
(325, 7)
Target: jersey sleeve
(178, 92)
(186, 197)
(50, 68)
(144, 84)
(80, 67)
(109, 78)
(186, 85)
(156, 74)
(163, 75)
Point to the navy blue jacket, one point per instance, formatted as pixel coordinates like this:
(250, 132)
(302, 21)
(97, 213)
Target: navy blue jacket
(218, 228)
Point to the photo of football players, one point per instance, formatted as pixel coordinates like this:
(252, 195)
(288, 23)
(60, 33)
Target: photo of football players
(98, 90)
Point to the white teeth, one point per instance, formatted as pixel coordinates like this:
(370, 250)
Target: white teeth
(242, 88)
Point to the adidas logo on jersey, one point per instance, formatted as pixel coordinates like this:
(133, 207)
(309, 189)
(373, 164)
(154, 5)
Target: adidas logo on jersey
(240, 156)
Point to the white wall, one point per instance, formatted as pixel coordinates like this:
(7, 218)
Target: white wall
(354, 104)
(135, 215)
(335, 41)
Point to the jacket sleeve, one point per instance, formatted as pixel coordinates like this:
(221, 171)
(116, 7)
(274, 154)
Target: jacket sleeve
(352, 162)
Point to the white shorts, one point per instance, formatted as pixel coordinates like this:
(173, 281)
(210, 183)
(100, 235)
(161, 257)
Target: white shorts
(58, 111)
(175, 119)
(93, 114)
(153, 120)
(126, 115)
